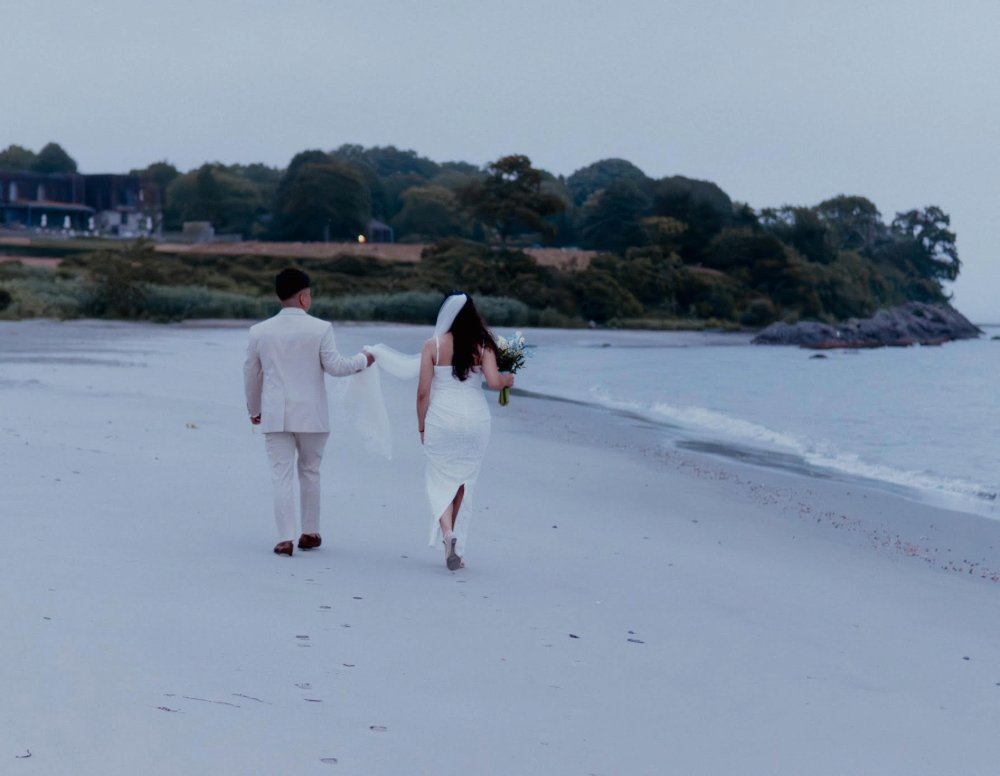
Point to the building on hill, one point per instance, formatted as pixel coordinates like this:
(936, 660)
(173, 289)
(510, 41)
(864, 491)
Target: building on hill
(111, 205)
(378, 232)
(124, 205)
(37, 201)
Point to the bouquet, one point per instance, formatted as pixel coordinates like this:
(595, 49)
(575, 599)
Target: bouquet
(510, 358)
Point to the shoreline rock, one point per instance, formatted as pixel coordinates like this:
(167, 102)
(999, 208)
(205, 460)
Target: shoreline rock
(914, 323)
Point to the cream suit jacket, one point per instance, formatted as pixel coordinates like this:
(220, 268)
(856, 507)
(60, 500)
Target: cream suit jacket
(283, 375)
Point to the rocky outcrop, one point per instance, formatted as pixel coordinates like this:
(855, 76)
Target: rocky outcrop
(914, 323)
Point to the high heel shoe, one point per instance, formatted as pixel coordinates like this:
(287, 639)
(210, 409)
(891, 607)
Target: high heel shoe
(453, 561)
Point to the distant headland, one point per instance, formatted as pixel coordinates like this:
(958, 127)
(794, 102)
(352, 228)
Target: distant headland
(386, 231)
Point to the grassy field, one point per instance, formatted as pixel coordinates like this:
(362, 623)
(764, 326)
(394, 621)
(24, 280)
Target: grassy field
(32, 249)
(73, 278)
(31, 261)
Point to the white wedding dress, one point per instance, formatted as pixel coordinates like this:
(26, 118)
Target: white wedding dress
(456, 429)
(456, 433)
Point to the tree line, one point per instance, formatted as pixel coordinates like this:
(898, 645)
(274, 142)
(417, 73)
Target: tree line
(667, 248)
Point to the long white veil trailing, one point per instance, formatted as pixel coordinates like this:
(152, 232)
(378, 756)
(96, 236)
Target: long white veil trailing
(363, 399)
(449, 311)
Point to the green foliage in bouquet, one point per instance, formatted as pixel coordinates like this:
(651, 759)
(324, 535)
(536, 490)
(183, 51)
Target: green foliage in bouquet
(510, 358)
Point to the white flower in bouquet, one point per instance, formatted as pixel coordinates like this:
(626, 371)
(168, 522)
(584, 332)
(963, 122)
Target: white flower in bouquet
(510, 358)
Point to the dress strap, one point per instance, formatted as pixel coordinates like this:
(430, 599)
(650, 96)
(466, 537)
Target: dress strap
(437, 350)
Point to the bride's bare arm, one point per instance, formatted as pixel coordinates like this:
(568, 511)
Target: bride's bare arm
(494, 379)
(424, 385)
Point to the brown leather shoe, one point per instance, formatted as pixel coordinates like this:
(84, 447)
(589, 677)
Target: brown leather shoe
(309, 541)
(283, 548)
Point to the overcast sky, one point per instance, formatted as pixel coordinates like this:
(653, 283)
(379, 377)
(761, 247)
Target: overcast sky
(777, 101)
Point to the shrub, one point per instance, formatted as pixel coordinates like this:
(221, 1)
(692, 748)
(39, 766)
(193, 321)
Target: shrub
(11, 270)
(404, 307)
(416, 307)
(46, 296)
(760, 312)
(408, 307)
(485, 271)
(176, 303)
(503, 311)
(601, 297)
(552, 318)
(707, 293)
(356, 307)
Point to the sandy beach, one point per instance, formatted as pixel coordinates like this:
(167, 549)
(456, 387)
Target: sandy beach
(627, 608)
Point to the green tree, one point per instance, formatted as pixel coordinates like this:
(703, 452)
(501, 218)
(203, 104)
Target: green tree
(17, 159)
(803, 229)
(301, 159)
(701, 205)
(52, 158)
(160, 175)
(388, 172)
(762, 267)
(612, 218)
(212, 193)
(646, 273)
(591, 179)
(265, 179)
(706, 293)
(388, 160)
(601, 297)
(742, 253)
(664, 232)
(848, 287)
(485, 270)
(929, 229)
(453, 178)
(392, 192)
(903, 266)
(320, 201)
(744, 215)
(855, 223)
(431, 213)
(510, 199)
(461, 168)
(257, 172)
(563, 223)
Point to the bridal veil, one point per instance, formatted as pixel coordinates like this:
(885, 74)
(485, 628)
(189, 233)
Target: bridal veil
(363, 399)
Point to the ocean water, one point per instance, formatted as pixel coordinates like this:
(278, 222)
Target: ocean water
(921, 420)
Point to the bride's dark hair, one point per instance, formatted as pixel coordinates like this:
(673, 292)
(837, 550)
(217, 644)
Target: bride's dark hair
(470, 334)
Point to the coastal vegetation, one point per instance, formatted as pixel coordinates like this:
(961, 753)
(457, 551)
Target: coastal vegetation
(670, 252)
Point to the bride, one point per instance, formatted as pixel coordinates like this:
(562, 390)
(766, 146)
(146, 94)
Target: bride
(452, 415)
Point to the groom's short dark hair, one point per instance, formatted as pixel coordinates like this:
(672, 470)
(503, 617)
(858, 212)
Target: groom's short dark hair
(289, 282)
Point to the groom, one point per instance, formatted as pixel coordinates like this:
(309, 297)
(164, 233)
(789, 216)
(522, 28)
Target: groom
(283, 378)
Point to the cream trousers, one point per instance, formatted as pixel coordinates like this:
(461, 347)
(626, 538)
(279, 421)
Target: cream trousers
(283, 448)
